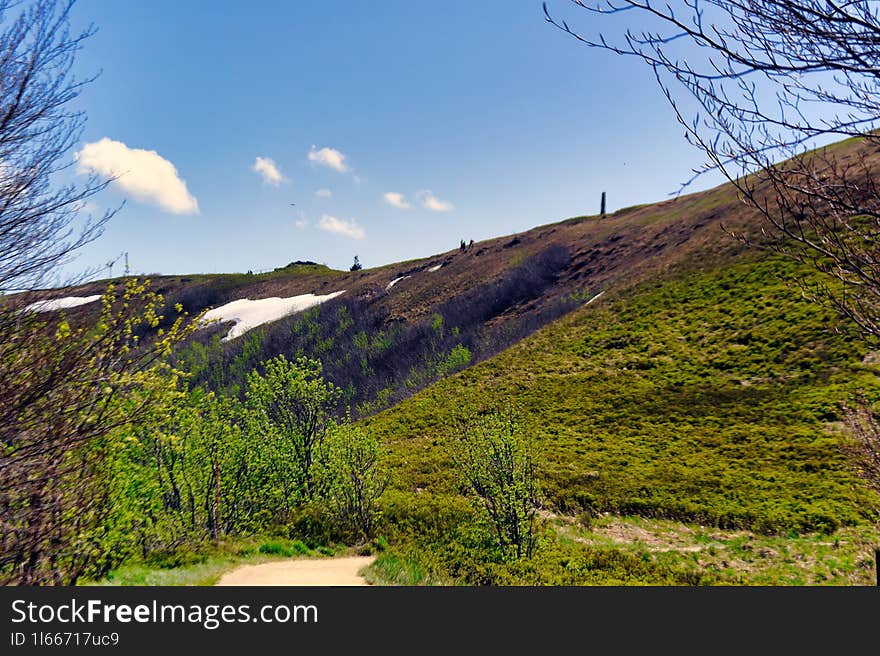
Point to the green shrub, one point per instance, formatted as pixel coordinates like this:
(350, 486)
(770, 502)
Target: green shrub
(459, 358)
(275, 549)
(311, 524)
(493, 453)
(300, 548)
(350, 479)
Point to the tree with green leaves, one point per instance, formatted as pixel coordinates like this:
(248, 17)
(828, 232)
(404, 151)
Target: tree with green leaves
(70, 394)
(67, 390)
(494, 454)
(182, 476)
(290, 402)
(351, 478)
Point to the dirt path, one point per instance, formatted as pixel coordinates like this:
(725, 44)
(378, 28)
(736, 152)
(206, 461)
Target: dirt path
(303, 571)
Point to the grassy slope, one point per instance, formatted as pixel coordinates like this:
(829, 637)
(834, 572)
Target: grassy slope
(632, 550)
(703, 398)
(843, 558)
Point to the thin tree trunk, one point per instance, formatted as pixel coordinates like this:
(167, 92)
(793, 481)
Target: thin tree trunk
(216, 526)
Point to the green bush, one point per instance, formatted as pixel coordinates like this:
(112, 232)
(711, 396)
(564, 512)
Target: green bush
(459, 358)
(350, 478)
(275, 549)
(300, 548)
(311, 523)
(494, 455)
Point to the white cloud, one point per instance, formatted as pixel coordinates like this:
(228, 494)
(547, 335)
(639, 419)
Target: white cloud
(301, 224)
(396, 200)
(269, 171)
(324, 193)
(329, 157)
(431, 202)
(341, 227)
(144, 174)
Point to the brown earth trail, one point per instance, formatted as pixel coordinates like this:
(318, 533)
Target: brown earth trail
(303, 571)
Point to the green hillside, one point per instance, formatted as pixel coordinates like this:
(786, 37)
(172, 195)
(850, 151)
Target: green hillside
(710, 397)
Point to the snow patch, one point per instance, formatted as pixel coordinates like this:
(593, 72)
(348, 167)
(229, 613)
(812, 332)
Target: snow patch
(434, 268)
(61, 303)
(394, 282)
(595, 297)
(249, 314)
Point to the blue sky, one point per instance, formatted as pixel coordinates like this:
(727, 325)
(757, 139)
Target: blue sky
(480, 109)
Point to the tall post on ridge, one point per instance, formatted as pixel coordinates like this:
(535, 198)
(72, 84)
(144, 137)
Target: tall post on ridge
(602, 210)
